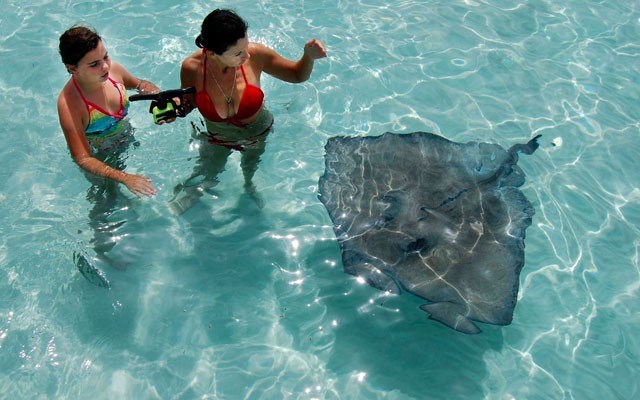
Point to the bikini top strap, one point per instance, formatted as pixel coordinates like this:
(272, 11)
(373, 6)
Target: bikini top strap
(204, 71)
(119, 92)
(243, 75)
(97, 107)
(86, 103)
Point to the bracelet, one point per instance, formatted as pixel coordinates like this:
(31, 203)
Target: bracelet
(139, 83)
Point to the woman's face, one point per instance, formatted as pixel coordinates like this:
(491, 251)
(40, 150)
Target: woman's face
(94, 66)
(237, 54)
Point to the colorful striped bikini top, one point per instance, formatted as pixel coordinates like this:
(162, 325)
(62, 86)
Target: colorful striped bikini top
(103, 124)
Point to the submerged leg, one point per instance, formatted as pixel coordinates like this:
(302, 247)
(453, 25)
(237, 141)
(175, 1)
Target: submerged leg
(210, 164)
(249, 163)
(92, 273)
(105, 198)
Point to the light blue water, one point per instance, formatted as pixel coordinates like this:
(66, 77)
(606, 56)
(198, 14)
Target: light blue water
(232, 301)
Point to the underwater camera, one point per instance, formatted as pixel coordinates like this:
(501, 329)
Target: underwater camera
(162, 105)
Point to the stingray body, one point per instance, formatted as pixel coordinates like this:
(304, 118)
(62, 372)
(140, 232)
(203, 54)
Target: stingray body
(444, 221)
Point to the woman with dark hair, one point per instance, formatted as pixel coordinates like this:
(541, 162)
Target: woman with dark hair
(93, 104)
(226, 74)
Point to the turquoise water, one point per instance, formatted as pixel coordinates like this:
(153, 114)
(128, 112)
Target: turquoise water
(235, 301)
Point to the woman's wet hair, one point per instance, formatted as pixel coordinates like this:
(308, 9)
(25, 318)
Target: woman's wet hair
(77, 41)
(221, 29)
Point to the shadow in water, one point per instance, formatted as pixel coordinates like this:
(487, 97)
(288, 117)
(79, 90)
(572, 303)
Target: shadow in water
(109, 216)
(390, 340)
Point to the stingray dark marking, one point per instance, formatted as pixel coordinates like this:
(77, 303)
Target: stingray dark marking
(444, 221)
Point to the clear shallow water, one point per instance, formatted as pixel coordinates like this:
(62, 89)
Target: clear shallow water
(233, 301)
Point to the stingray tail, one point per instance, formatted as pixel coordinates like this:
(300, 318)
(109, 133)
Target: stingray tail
(527, 148)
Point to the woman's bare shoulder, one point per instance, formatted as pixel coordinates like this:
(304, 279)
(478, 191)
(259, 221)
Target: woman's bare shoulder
(260, 55)
(72, 112)
(68, 97)
(260, 50)
(189, 70)
(192, 61)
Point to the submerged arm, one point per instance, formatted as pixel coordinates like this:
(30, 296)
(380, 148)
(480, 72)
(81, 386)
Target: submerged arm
(73, 129)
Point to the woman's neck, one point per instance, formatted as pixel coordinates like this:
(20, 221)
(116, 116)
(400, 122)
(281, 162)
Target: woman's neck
(90, 87)
(220, 65)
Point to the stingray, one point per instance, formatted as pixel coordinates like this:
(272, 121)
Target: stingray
(444, 221)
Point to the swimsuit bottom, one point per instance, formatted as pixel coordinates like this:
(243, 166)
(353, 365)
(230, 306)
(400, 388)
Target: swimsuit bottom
(238, 138)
